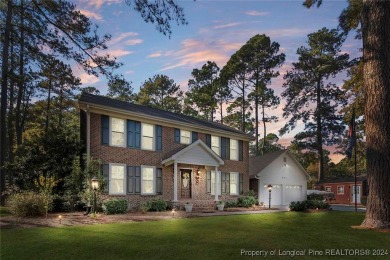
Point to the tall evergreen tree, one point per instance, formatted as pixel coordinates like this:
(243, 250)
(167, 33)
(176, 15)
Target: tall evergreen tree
(161, 92)
(311, 97)
(119, 88)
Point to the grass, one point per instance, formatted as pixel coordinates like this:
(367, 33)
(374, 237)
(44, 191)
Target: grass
(198, 238)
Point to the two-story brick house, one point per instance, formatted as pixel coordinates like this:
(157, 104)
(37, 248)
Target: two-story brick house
(151, 153)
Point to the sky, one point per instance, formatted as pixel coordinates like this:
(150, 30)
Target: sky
(216, 30)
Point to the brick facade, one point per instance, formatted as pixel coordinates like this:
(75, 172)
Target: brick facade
(137, 157)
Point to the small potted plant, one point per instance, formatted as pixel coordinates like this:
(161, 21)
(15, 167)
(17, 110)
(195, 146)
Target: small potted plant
(220, 205)
(188, 207)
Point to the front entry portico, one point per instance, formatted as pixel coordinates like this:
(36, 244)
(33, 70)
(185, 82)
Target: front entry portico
(197, 153)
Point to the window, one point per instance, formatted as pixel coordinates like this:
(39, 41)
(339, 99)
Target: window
(148, 176)
(185, 137)
(233, 149)
(234, 183)
(215, 144)
(340, 189)
(117, 132)
(328, 188)
(212, 186)
(117, 179)
(147, 137)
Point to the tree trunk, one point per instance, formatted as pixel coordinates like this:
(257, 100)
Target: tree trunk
(10, 119)
(4, 99)
(60, 101)
(257, 115)
(265, 128)
(221, 112)
(319, 134)
(243, 107)
(48, 106)
(376, 57)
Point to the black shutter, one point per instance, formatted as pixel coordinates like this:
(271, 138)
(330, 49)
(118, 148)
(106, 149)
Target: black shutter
(106, 181)
(194, 136)
(208, 182)
(240, 151)
(208, 140)
(130, 179)
(223, 148)
(158, 138)
(177, 136)
(223, 183)
(130, 133)
(241, 185)
(159, 180)
(137, 134)
(137, 185)
(228, 182)
(105, 129)
(228, 148)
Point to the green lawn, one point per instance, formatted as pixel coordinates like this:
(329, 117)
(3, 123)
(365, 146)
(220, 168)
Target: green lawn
(197, 238)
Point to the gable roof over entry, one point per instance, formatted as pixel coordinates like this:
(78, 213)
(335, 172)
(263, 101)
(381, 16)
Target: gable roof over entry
(197, 153)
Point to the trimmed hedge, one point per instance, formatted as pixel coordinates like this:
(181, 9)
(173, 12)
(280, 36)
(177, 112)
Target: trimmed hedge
(246, 201)
(115, 206)
(156, 205)
(308, 204)
(315, 196)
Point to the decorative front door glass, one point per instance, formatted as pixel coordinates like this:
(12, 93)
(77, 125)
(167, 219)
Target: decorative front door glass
(185, 184)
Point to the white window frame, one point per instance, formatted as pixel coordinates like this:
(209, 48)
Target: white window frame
(153, 138)
(124, 132)
(328, 188)
(237, 183)
(154, 180)
(234, 152)
(213, 147)
(181, 136)
(110, 179)
(212, 183)
(339, 193)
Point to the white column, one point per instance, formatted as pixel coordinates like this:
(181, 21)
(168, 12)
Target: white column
(216, 183)
(258, 190)
(88, 134)
(175, 182)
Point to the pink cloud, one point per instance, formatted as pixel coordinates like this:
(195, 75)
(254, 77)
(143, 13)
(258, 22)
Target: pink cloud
(99, 3)
(256, 13)
(155, 54)
(121, 37)
(91, 14)
(134, 41)
(228, 25)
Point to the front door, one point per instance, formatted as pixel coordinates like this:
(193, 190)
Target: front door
(357, 193)
(185, 184)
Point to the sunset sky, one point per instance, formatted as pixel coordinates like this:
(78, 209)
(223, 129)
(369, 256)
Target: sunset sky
(215, 30)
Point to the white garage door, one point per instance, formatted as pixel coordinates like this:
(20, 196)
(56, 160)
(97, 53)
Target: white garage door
(293, 193)
(276, 195)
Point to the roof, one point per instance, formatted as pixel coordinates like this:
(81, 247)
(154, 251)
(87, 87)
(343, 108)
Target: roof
(155, 112)
(343, 179)
(258, 163)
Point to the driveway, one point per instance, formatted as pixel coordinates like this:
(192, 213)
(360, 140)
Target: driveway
(342, 207)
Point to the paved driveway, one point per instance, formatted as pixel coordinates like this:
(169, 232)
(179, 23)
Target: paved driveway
(340, 207)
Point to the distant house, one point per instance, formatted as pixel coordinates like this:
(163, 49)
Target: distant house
(148, 153)
(281, 170)
(343, 189)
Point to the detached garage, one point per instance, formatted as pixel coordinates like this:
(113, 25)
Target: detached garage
(283, 172)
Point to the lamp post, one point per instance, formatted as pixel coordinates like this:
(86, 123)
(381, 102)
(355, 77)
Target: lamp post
(95, 186)
(269, 197)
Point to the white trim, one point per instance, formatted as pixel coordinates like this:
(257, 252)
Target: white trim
(176, 156)
(337, 191)
(330, 190)
(154, 137)
(175, 182)
(154, 180)
(124, 132)
(237, 183)
(109, 178)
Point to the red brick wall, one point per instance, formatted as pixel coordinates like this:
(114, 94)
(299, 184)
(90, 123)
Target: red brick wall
(137, 157)
(345, 198)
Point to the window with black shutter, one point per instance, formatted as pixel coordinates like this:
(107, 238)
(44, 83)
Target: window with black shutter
(105, 174)
(159, 181)
(177, 136)
(158, 138)
(223, 147)
(208, 140)
(194, 136)
(133, 179)
(240, 150)
(225, 182)
(105, 124)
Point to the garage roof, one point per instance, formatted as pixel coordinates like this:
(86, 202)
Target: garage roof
(258, 163)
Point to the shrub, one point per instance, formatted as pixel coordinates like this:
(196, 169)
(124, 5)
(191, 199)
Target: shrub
(308, 204)
(315, 196)
(246, 201)
(27, 204)
(251, 193)
(363, 200)
(156, 205)
(231, 204)
(115, 206)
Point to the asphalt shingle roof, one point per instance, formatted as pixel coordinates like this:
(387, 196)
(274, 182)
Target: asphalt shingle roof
(180, 118)
(258, 163)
